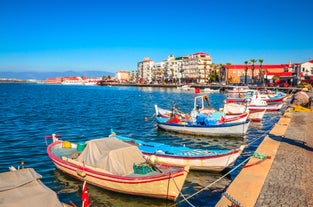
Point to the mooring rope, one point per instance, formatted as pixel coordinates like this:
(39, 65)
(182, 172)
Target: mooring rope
(211, 184)
(259, 137)
(255, 154)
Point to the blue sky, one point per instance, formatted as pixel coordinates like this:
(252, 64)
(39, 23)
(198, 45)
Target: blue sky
(61, 35)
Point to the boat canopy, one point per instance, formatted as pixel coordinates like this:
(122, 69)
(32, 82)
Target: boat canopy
(24, 188)
(112, 155)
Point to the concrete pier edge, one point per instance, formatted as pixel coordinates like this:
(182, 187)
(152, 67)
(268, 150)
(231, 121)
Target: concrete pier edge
(246, 188)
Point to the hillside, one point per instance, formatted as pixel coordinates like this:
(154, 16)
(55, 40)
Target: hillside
(45, 75)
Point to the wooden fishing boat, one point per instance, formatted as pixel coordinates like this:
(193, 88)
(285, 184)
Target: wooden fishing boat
(228, 117)
(206, 128)
(214, 160)
(255, 94)
(255, 114)
(23, 187)
(268, 107)
(117, 166)
(237, 89)
(199, 108)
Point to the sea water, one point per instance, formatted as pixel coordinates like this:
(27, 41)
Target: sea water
(29, 112)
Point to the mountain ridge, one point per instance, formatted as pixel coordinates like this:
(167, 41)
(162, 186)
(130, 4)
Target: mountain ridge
(44, 75)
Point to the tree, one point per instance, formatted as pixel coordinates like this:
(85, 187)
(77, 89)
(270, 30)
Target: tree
(276, 78)
(252, 69)
(246, 71)
(265, 71)
(214, 76)
(221, 72)
(227, 70)
(260, 71)
(204, 68)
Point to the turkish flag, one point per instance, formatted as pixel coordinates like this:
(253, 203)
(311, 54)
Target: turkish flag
(197, 90)
(85, 197)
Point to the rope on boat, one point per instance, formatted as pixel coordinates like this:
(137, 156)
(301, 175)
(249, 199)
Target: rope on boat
(187, 198)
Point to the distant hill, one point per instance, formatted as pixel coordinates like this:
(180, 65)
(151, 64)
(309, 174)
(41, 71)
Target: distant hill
(45, 75)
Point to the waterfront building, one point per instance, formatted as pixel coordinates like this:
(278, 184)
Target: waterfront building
(306, 70)
(244, 74)
(57, 80)
(122, 76)
(190, 68)
(171, 68)
(145, 70)
(158, 72)
(198, 68)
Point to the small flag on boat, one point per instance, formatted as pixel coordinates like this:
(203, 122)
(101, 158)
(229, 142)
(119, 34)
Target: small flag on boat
(197, 90)
(85, 197)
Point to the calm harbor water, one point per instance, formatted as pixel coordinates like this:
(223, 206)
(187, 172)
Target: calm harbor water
(80, 113)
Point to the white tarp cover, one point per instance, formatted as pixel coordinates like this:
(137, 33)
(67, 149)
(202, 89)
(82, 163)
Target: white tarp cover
(112, 155)
(23, 188)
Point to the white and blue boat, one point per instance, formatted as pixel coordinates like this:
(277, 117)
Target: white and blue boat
(214, 160)
(203, 126)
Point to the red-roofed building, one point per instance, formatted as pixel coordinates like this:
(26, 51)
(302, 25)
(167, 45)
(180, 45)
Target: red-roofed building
(236, 73)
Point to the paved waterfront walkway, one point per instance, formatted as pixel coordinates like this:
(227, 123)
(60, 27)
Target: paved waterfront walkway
(285, 178)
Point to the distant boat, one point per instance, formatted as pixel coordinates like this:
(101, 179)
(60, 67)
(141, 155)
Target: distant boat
(117, 166)
(72, 83)
(210, 90)
(255, 114)
(214, 160)
(185, 88)
(237, 89)
(255, 94)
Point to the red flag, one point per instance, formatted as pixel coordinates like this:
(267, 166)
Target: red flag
(197, 90)
(85, 197)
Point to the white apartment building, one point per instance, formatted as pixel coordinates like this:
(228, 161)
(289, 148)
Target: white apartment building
(145, 71)
(306, 68)
(194, 67)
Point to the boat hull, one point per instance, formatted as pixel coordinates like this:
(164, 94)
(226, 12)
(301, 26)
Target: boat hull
(256, 115)
(164, 185)
(221, 130)
(214, 163)
(268, 108)
(214, 160)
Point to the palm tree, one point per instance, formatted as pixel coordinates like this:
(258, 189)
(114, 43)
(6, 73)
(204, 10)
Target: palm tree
(260, 71)
(204, 68)
(246, 71)
(252, 69)
(227, 68)
(220, 75)
(265, 71)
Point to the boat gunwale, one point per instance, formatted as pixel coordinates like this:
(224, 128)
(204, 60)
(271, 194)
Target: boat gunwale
(179, 171)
